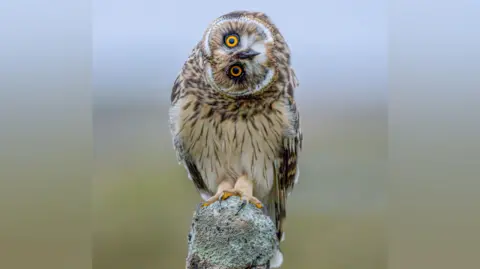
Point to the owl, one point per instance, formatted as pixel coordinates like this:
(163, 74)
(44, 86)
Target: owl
(233, 118)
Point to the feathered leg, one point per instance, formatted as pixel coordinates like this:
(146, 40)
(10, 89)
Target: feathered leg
(244, 189)
(224, 187)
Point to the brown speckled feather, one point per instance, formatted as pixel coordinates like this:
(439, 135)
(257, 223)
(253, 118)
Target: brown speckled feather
(286, 172)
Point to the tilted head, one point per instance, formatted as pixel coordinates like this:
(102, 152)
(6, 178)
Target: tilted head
(244, 50)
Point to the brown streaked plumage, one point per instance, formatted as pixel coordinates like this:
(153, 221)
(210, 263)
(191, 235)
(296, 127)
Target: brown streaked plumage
(233, 117)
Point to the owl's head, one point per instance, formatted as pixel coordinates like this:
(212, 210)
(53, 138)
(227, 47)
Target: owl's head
(240, 48)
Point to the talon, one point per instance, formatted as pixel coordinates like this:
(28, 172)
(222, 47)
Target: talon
(226, 195)
(258, 205)
(242, 205)
(253, 200)
(206, 204)
(212, 200)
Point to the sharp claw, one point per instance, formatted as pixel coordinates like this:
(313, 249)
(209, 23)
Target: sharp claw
(228, 194)
(253, 201)
(258, 204)
(220, 198)
(242, 205)
(211, 201)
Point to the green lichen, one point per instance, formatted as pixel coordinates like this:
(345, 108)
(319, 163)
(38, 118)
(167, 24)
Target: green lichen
(225, 237)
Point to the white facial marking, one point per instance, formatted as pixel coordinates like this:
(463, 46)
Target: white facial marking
(259, 46)
(246, 42)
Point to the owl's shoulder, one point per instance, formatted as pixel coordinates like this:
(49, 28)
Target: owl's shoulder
(190, 79)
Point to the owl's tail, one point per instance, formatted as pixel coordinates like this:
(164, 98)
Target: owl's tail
(275, 209)
(277, 259)
(271, 208)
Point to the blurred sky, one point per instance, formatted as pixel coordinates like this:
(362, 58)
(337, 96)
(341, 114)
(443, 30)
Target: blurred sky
(338, 47)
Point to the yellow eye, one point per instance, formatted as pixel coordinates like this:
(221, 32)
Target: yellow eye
(236, 71)
(231, 40)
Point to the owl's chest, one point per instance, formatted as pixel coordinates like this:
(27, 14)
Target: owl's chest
(225, 133)
(231, 144)
(231, 137)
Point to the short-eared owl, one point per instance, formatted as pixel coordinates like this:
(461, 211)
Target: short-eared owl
(234, 121)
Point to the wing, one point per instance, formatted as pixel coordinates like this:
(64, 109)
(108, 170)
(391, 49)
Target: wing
(185, 158)
(183, 155)
(286, 170)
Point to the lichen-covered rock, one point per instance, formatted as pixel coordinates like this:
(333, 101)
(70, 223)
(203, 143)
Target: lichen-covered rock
(225, 236)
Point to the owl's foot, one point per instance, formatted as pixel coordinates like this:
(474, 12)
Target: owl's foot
(251, 199)
(213, 199)
(243, 196)
(225, 190)
(221, 196)
(224, 195)
(244, 186)
(246, 199)
(229, 193)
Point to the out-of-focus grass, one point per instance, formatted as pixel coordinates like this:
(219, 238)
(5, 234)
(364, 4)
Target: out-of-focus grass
(143, 201)
(143, 223)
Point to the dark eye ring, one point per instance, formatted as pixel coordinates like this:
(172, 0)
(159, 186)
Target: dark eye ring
(235, 71)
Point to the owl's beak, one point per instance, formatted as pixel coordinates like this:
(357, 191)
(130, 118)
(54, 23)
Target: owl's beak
(247, 54)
